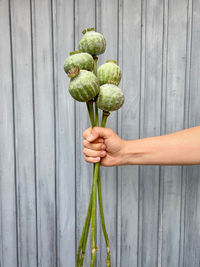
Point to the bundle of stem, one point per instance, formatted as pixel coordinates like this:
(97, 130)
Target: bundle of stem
(91, 212)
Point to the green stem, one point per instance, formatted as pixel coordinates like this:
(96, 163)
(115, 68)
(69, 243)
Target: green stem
(94, 188)
(84, 235)
(92, 204)
(93, 226)
(96, 108)
(91, 112)
(96, 115)
(95, 64)
(86, 232)
(104, 118)
(91, 115)
(108, 261)
(81, 248)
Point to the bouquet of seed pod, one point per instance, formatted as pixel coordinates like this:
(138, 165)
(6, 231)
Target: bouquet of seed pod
(97, 88)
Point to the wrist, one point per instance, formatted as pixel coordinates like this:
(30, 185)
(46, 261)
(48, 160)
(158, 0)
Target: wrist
(133, 152)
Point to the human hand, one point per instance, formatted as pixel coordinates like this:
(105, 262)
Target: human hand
(103, 145)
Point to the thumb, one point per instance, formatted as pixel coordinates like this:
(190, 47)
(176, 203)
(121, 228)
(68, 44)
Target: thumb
(97, 132)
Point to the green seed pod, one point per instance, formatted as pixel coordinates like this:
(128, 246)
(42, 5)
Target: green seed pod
(110, 97)
(84, 86)
(92, 42)
(109, 72)
(78, 59)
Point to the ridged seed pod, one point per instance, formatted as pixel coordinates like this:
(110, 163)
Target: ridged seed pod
(110, 97)
(109, 72)
(84, 86)
(92, 42)
(78, 59)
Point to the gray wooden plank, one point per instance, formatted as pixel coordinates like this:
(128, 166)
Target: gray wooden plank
(44, 132)
(128, 121)
(22, 73)
(65, 135)
(163, 103)
(84, 18)
(192, 208)
(109, 28)
(186, 125)
(173, 121)
(150, 123)
(192, 218)
(8, 235)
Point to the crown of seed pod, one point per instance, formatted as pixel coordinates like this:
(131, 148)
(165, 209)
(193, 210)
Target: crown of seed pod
(110, 97)
(109, 72)
(84, 86)
(92, 42)
(78, 59)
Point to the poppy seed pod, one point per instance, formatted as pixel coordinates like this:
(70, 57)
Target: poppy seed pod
(84, 86)
(78, 59)
(92, 42)
(110, 97)
(109, 72)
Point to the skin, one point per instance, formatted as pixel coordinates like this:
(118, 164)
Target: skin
(178, 148)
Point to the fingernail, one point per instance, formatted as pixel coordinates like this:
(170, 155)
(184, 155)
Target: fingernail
(90, 137)
(101, 140)
(103, 146)
(97, 159)
(103, 153)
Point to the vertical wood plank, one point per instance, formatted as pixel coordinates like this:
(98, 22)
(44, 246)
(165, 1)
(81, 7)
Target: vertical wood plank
(129, 60)
(25, 167)
(192, 208)
(44, 131)
(174, 120)
(8, 235)
(186, 125)
(65, 134)
(150, 123)
(109, 28)
(84, 18)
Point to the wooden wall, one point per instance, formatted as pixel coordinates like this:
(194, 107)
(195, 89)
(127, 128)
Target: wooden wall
(152, 212)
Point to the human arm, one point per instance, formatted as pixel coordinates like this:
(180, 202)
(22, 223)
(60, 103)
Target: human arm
(178, 148)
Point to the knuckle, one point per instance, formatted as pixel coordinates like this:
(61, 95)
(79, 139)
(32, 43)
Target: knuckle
(84, 143)
(99, 154)
(97, 159)
(98, 147)
(95, 146)
(109, 131)
(86, 132)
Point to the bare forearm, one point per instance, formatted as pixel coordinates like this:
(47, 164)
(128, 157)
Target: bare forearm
(179, 148)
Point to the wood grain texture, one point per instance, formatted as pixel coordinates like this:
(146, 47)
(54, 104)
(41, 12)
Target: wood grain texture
(150, 121)
(44, 131)
(24, 132)
(65, 135)
(128, 180)
(152, 213)
(174, 120)
(8, 233)
(192, 211)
